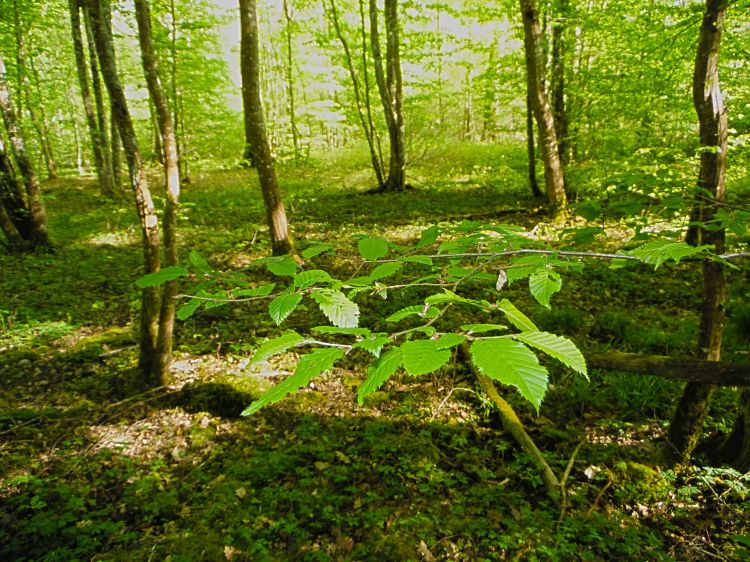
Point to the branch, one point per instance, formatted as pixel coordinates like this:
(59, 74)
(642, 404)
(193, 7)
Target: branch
(721, 373)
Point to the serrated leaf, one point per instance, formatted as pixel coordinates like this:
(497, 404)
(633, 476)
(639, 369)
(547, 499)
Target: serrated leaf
(446, 341)
(338, 309)
(282, 306)
(544, 284)
(284, 266)
(523, 266)
(516, 317)
(379, 372)
(373, 248)
(558, 347)
(274, 346)
(316, 250)
(342, 331)
(429, 236)
(512, 363)
(384, 270)
(405, 313)
(447, 297)
(162, 276)
(483, 328)
(198, 262)
(657, 252)
(309, 367)
(310, 277)
(373, 344)
(188, 309)
(422, 356)
(424, 260)
(261, 291)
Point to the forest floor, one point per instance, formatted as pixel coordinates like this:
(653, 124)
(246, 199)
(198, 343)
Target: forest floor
(421, 471)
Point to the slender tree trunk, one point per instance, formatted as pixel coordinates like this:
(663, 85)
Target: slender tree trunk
(79, 148)
(97, 142)
(46, 131)
(116, 150)
(557, 80)
(553, 171)
(289, 70)
(389, 87)
(366, 122)
(160, 370)
(686, 426)
(530, 149)
(96, 84)
(255, 127)
(38, 236)
(150, 307)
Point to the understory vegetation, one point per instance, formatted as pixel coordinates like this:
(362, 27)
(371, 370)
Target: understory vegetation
(421, 470)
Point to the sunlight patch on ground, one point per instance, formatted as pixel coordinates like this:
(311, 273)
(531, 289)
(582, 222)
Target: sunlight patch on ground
(120, 238)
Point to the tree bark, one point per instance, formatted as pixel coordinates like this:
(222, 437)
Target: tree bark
(289, 70)
(720, 373)
(160, 369)
(530, 149)
(38, 235)
(391, 91)
(150, 306)
(97, 143)
(366, 122)
(11, 194)
(553, 170)
(687, 422)
(255, 131)
(557, 80)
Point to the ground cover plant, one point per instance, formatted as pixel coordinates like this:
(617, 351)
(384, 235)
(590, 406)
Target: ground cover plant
(347, 318)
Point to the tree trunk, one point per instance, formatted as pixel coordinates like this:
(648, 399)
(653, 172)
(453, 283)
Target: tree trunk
(553, 171)
(11, 194)
(160, 370)
(255, 130)
(96, 84)
(687, 422)
(116, 149)
(557, 80)
(530, 150)
(366, 122)
(150, 306)
(390, 88)
(38, 236)
(15, 242)
(289, 70)
(97, 143)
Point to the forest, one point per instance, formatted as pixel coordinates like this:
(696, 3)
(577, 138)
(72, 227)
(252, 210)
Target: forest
(409, 280)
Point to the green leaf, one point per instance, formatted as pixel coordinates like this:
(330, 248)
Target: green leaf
(342, 331)
(274, 346)
(310, 277)
(516, 317)
(162, 276)
(483, 328)
(261, 291)
(373, 344)
(523, 266)
(309, 367)
(544, 284)
(449, 297)
(405, 313)
(188, 309)
(282, 306)
(429, 237)
(372, 248)
(316, 250)
(512, 363)
(423, 356)
(281, 265)
(555, 346)
(379, 372)
(338, 309)
(446, 341)
(657, 252)
(424, 260)
(198, 262)
(384, 270)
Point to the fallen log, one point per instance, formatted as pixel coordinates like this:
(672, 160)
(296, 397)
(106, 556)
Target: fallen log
(720, 373)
